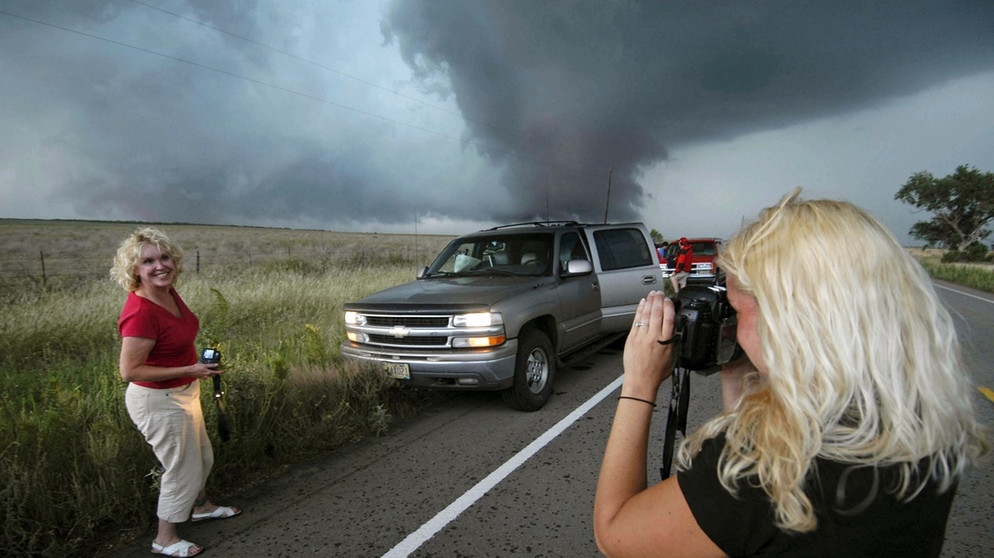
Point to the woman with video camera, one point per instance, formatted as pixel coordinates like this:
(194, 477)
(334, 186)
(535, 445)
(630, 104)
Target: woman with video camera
(159, 360)
(845, 430)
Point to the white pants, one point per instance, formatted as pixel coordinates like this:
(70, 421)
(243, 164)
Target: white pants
(172, 422)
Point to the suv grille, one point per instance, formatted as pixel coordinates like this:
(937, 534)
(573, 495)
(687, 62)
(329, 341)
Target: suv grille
(408, 341)
(408, 321)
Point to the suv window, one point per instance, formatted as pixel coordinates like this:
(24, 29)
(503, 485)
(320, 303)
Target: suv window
(622, 249)
(571, 248)
(517, 254)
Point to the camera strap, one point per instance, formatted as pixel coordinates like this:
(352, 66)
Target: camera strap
(676, 419)
(223, 428)
(218, 392)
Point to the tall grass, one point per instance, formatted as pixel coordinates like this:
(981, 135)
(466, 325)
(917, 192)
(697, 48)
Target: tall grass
(76, 475)
(974, 276)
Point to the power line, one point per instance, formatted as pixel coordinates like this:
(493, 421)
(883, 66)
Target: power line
(358, 79)
(319, 65)
(250, 79)
(476, 144)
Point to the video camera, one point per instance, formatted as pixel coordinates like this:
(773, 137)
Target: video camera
(703, 341)
(210, 355)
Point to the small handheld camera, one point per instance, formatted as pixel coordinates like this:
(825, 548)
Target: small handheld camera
(210, 356)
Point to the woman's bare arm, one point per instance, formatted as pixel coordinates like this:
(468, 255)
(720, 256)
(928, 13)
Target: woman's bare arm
(629, 518)
(134, 353)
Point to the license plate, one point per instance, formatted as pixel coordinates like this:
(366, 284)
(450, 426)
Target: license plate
(399, 370)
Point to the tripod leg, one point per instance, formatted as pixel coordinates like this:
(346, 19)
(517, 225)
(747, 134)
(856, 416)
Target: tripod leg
(684, 402)
(673, 420)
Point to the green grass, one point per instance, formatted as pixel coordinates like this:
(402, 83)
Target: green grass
(974, 276)
(75, 474)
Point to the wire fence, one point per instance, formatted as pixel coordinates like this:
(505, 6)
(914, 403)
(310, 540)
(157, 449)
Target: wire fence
(53, 267)
(19, 269)
(38, 256)
(53, 270)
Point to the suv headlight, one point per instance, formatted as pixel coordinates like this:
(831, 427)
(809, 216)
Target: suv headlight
(354, 318)
(491, 334)
(478, 319)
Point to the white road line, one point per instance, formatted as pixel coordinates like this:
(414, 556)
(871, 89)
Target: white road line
(461, 504)
(957, 291)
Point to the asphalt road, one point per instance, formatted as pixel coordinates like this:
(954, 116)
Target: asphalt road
(470, 477)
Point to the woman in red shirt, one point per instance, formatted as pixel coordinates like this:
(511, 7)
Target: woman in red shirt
(159, 360)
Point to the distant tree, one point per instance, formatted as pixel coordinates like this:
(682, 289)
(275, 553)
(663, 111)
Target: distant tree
(962, 205)
(657, 236)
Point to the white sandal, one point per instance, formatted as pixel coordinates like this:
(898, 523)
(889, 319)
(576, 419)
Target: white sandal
(220, 512)
(180, 549)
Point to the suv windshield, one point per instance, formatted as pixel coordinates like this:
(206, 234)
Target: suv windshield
(499, 253)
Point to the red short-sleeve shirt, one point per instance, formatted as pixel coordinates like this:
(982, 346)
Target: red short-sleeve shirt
(174, 337)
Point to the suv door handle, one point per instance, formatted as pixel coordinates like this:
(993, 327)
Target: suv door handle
(649, 280)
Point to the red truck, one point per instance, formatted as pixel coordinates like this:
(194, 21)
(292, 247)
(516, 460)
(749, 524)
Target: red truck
(704, 266)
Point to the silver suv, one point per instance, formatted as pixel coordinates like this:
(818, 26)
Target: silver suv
(500, 308)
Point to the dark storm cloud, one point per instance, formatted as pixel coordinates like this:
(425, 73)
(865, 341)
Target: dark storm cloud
(261, 112)
(560, 92)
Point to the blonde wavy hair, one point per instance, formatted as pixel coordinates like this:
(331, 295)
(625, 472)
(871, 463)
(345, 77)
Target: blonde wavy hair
(864, 364)
(130, 252)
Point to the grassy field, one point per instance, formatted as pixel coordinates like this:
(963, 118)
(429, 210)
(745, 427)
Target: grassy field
(75, 474)
(975, 276)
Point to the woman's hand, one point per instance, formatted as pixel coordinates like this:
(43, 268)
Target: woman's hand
(201, 370)
(648, 362)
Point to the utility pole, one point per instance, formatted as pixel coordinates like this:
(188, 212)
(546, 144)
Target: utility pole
(546, 200)
(607, 206)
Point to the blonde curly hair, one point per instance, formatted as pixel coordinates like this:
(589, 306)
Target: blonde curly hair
(863, 360)
(129, 255)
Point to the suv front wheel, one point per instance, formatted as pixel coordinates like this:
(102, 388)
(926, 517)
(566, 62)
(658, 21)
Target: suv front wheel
(533, 372)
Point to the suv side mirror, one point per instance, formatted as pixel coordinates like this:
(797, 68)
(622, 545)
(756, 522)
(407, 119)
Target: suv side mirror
(578, 267)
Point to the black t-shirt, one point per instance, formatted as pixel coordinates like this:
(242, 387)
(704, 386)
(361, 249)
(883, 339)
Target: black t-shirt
(854, 517)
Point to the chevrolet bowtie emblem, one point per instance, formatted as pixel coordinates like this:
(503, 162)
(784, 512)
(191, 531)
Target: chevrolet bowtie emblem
(399, 331)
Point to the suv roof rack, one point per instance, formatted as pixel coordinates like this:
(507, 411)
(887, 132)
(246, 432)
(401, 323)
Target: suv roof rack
(535, 224)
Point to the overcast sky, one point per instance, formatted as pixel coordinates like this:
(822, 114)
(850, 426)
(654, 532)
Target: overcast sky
(458, 114)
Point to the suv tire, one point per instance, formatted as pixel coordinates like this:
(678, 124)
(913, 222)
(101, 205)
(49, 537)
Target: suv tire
(533, 372)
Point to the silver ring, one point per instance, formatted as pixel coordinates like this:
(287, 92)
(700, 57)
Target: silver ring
(639, 324)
